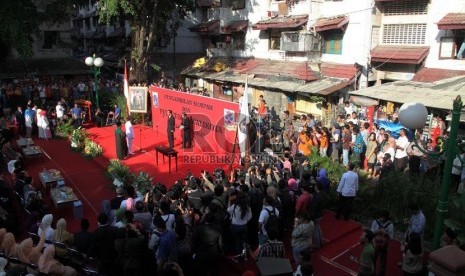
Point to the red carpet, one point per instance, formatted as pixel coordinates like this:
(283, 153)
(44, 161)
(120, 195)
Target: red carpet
(88, 180)
(146, 138)
(86, 177)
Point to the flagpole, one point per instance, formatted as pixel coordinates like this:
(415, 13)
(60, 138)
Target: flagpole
(126, 87)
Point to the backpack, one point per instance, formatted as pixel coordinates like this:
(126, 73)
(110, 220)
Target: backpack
(273, 220)
(381, 240)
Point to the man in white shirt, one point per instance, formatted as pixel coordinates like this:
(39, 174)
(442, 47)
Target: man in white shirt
(129, 135)
(401, 157)
(60, 110)
(268, 209)
(347, 190)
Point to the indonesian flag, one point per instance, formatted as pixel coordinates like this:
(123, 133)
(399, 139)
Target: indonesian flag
(243, 120)
(125, 82)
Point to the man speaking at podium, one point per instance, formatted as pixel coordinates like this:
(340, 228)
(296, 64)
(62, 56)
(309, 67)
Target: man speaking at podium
(186, 134)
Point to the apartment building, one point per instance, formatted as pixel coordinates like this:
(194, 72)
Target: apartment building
(417, 40)
(301, 55)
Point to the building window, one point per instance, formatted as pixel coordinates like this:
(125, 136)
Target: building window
(333, 42)
(275, 40)
(50, 39)
(450, 46)
(406, 7)
(404, 34)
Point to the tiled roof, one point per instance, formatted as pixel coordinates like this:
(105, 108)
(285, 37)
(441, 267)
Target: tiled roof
(435, 74)
(264, 67)
(236, 26)
(331, 23)
(399, 54)
(205, 26)
(342, 71)
(281, 22)
(452, 21)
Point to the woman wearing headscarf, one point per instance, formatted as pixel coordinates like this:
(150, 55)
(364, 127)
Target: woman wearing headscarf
(28, 253)
(63, 236)
(106, 209)
(47, 226)
(49, 265)
(8, 246)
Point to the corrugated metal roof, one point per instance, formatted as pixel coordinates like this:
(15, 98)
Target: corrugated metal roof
(434, 74)
(435, 95)
(324, 86)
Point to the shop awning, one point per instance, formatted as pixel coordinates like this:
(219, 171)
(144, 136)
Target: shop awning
(205, 26)
(452, 21)
(399, 54)
(434, 95)
(331, 23)
(235, 27)
(280, 22)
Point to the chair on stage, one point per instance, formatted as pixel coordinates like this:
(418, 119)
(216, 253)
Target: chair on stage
(110, 118)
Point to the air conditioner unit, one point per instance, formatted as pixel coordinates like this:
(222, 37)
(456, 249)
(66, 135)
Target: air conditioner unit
(221, 45)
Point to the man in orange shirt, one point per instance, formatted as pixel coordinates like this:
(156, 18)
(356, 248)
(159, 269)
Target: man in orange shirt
(323, 142)
(305, 142)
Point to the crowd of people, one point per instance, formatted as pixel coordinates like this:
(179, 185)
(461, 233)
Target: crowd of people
(187, 228)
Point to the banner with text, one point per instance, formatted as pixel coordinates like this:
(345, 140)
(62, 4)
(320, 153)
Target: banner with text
(213, 120)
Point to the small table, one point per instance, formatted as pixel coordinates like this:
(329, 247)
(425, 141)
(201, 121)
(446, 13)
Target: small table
(166, 151)
(31, 151)
(49, 177)
(22, 143)
(63, 196)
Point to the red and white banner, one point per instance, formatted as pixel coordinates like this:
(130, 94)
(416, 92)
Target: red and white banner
(214, 120)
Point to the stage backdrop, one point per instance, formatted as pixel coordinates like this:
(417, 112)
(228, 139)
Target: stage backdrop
(214, 120)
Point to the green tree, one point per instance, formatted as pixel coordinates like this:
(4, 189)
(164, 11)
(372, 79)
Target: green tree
(19, 21)
(153, 23)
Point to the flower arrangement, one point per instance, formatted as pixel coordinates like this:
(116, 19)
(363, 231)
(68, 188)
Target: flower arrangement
(78, 137)
(117, 170)
(91, 149)
(64, 129)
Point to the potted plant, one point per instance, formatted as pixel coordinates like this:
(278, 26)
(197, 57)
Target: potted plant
(117, 170)
(64, 129)
(142, 183)
(77, 138)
